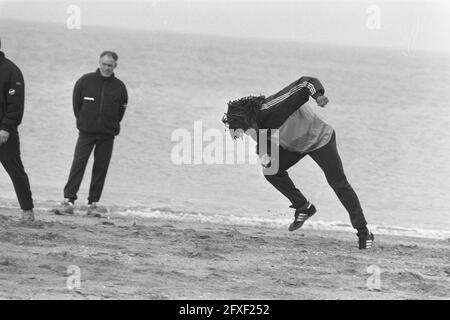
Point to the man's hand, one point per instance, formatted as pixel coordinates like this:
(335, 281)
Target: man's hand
(4, 135)
(322, 101)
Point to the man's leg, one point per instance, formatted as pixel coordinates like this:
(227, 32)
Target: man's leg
(282, 182)
(83, 149)
(329, 161)
(102, 156)
(11, 161)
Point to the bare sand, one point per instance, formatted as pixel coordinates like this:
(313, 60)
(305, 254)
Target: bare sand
(136, 258)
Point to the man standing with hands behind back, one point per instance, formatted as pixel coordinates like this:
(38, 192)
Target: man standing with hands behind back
(12, 99)
(99, 102)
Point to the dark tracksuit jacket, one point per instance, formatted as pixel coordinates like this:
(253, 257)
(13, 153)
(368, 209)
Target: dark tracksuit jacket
(99, 105)
(300, 130)
(12, 95)
(301, 133)
(12, 98)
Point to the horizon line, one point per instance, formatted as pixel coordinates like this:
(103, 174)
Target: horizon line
(258, 38)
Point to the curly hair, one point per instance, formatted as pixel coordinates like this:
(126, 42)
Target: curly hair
(242, 112)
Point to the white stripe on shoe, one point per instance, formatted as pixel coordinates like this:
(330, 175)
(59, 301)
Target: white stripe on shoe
(302, 217)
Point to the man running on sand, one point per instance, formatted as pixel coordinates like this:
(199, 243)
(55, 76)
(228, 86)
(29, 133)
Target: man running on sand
(301, 133)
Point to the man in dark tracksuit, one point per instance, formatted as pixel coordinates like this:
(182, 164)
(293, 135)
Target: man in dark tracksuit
(300, 133)
(99, 102)
(12, 100)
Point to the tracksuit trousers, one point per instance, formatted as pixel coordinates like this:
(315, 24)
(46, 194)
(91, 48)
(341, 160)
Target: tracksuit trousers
(328, 159)
(103, 147)
(11, 161)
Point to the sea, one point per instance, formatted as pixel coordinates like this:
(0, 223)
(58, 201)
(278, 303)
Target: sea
(174, 159)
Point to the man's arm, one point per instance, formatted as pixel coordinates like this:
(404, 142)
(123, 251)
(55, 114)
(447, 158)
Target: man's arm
(316, 90)
(77, 99)
(281, 106)
(124, 103)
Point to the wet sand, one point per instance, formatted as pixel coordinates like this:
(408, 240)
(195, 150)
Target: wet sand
(135, 258)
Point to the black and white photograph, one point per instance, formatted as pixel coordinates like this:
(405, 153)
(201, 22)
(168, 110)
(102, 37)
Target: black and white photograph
(226, 150)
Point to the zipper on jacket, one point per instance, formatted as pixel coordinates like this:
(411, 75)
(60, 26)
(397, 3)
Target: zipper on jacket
(101, 107)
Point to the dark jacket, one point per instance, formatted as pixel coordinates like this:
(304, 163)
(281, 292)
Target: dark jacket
(12, 95)
(299, 128)
(277, 108)
(99, 103)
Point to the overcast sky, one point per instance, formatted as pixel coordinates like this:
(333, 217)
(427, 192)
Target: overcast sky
(421, 25)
